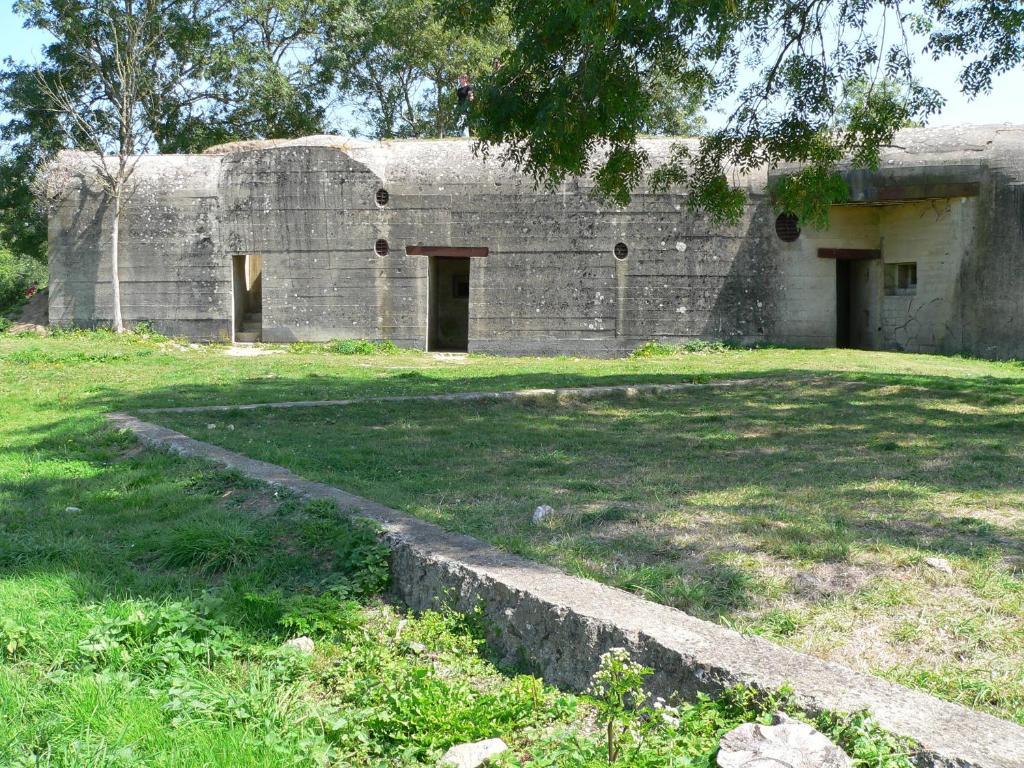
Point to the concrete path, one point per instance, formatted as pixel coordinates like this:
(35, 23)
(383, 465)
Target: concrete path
(569, 393)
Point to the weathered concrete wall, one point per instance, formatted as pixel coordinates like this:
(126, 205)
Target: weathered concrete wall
(936, 235)
(990, 285)
(807, 307)
(171, 271)
(969, 247)
(310, 212)
(550, 284)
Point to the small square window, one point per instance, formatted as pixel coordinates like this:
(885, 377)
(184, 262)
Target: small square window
(901, 279)
(460, 287)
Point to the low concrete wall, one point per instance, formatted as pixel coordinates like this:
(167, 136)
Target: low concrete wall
(559, 625)
(559, 393)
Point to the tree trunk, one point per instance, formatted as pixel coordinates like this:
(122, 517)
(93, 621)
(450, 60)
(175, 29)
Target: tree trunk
(438, 100)
(115, 280)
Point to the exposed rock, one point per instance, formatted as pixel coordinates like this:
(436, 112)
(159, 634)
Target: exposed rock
(788, 744)
(541, 512)
(304, 644)
(808, 586)
(473, 755)
(72, 510)
(829, 579)
(211, 426)
(939, 564)
(418, 648)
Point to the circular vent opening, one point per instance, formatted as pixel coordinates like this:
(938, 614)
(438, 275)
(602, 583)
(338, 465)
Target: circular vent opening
(381, 247)
(382, 197)
(621, 251)
(787, 227)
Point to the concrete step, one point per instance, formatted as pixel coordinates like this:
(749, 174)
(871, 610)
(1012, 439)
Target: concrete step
(247, 336)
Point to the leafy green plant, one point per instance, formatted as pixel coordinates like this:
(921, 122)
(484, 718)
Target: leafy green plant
(323, 615)
(360, 560)
(17, 274)
(694, 346)
(865, 740)
(146, 637)
(407, 698)
(146, 330)
(653, 349)
(347, 347)
(618, 689)
(13, 638)
(362, 347)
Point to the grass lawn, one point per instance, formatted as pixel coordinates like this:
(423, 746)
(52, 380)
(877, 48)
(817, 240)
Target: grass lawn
(144, 600)
(801, 505)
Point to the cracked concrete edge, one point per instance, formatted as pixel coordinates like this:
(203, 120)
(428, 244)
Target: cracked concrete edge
(630, 390)
(558, 625)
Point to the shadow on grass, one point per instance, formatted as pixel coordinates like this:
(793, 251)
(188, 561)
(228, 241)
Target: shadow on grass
(100, 520)
(672, 496)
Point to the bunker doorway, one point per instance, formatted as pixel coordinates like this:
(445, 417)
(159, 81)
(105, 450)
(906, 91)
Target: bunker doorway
(853, 304)
(449, 304)
(247, 283)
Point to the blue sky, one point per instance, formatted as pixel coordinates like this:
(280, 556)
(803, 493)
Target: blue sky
(1005, 104)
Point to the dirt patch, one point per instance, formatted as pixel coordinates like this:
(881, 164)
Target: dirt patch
(239, 350)
(826, 580)
(35, 315)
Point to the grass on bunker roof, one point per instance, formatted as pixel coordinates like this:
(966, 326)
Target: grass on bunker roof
(802, 506)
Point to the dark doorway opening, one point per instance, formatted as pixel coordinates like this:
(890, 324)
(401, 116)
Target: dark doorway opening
(853, 309)
(449, 304)
(247, 281)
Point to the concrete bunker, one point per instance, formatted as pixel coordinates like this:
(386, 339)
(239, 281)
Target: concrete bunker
(450, 269)
(350, 235)
(247, 297)
(897, 258)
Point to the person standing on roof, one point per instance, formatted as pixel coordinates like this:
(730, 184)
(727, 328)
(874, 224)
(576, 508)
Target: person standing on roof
(466, 96)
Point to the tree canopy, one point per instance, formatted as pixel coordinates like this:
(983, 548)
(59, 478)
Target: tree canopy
(564, 88)
(227, 70)
(796, 78)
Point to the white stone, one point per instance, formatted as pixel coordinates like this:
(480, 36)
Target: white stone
(473, 755)
(72, 510)
(211, 426)
(541, 512)
(939, 564)
(304, 644)
(789, 744)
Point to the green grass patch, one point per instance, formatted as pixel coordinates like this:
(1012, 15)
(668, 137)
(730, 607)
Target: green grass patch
(790, 497)
(346, 347)
(146, 628)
